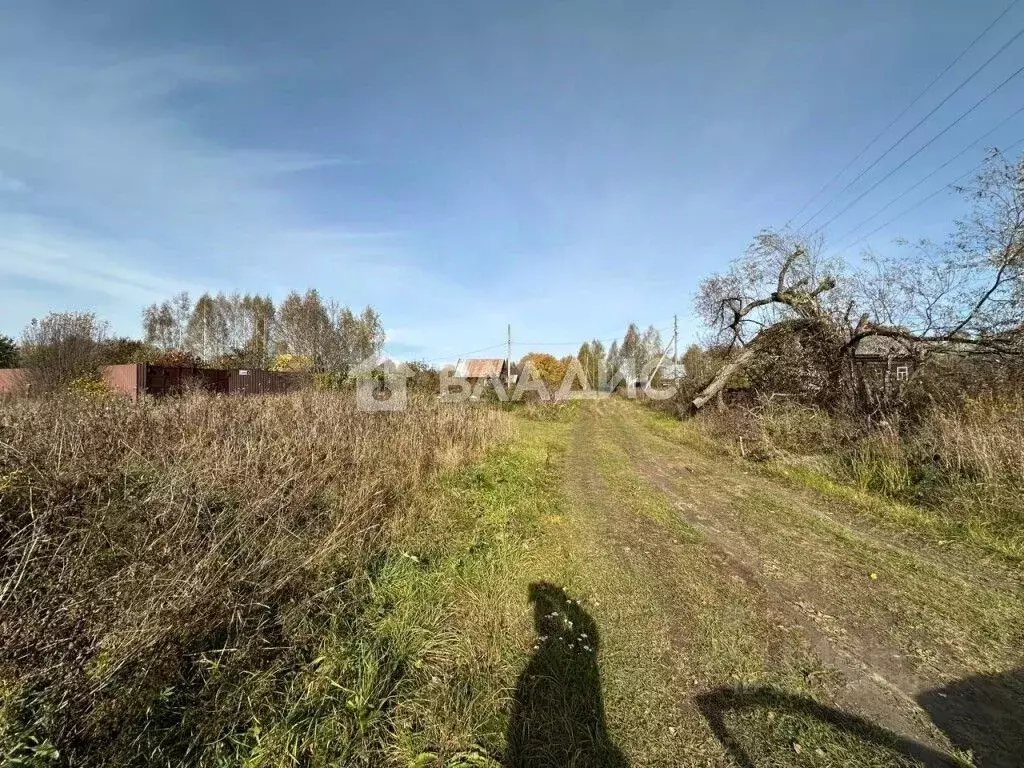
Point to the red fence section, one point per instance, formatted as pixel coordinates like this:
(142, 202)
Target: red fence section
(12, 381)
(138, 378)
(127, 379)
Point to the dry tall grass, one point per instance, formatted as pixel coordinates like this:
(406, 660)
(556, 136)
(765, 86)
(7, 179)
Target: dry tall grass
(984, 441)
(966, 461)
(160, 554)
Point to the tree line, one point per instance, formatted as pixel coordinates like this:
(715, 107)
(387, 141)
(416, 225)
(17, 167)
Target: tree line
(242, 330)
(304, 333)
(602, 368)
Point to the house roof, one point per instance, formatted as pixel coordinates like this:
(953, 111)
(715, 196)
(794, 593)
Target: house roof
(479, 368)
(883, 346)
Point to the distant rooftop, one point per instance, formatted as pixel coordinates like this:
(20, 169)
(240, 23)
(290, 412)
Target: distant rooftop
(480, 368)
(883, 346)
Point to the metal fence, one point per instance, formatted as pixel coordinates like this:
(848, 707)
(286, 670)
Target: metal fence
(142, 378)
(12, 381)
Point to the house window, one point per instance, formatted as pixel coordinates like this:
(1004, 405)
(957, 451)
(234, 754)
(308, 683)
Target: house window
(902, 373)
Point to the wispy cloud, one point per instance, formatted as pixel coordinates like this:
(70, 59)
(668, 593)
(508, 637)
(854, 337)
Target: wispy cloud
(128, 201)
(131, 169)
(11, 184)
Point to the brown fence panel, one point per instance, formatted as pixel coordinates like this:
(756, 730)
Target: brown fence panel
(256, 382)
(163, 379)
(214, 380)
(173, 379)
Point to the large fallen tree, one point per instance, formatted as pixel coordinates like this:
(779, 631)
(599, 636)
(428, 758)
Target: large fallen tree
(964, 297)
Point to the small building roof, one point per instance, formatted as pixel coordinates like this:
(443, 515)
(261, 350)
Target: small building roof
(883, 346)
(480, 368)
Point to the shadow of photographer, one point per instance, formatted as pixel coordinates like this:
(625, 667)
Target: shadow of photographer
(558, 713)
(558, 717)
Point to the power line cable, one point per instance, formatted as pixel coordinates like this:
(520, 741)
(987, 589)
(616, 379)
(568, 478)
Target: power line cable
(921, 202)
(946, 164)
(525, 344)
(575, 343)
(925, 146)
(902, 114)
(916, 125)
(464, 354)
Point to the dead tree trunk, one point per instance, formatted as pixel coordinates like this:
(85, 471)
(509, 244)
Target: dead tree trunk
(722, 378)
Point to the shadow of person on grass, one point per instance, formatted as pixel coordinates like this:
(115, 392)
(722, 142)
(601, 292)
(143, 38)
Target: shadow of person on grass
(715, 704)
(558, 716)
(983, 714)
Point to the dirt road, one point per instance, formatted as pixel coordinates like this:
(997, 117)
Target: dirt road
(746, 620)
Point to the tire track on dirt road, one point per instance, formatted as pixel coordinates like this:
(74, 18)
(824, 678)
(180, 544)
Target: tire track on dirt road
(706, 622)
(894, 645)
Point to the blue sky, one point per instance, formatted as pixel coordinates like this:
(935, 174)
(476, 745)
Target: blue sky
(564, 166)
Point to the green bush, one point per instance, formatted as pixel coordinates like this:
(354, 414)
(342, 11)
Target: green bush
(89, 386)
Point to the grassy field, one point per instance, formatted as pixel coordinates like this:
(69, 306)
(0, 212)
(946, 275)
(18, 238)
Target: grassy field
(956, 469)
(186, 582)
(589, 584)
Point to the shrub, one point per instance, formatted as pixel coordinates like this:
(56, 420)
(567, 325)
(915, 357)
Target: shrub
(289, 362)
(777, 425)
(61, 347)
(329, 381)
(879, 463)
(124, 350)
(90, 386)
(177, 358)
(980, 449)
(965, 459)
(9, 355)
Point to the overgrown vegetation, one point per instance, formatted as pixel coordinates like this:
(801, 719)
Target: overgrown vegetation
(9, 355)
(192, 581)
(963, 464)
(900, 374)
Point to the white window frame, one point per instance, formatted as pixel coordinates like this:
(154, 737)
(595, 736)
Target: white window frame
(902, 372)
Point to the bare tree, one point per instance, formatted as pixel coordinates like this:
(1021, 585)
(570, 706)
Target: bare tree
(259, 313)
(305, 328)
(62, 347)
(240, 330)
(969, 289)
(966, 295)
(781, 287)
(206, 330)
(649, 351)
(597, 356)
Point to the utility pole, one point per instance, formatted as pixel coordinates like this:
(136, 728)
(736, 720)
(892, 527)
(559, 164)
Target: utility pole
(508, 360)
(675, 353)
(675, 350)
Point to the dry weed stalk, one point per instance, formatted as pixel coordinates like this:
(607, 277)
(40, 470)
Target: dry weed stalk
(135, 536)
